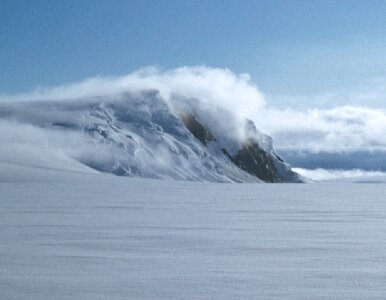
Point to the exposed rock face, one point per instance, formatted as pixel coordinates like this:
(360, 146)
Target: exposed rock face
(250, 158)
(196, 128)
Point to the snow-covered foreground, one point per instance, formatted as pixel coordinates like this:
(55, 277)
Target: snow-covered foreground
(105, 237)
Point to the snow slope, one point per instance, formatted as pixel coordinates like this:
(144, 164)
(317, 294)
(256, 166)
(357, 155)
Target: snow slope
(139, 133)
(71, 235)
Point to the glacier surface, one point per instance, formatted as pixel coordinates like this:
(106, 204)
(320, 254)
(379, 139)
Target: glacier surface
(78, 235)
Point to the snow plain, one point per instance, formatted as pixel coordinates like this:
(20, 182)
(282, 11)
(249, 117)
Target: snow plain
(74, 235)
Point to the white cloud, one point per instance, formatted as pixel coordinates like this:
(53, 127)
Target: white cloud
(342, 175)
(216, 86)
(29, 145)
(345, 128)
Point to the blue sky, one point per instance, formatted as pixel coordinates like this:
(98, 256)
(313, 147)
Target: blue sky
(321, 65)
(289, 47)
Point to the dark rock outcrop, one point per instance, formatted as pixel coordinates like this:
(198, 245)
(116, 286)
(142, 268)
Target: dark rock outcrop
(196, 128)
(250, 158)
(254, 160)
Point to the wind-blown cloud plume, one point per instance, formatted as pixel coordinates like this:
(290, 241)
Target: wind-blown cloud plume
(220, 87)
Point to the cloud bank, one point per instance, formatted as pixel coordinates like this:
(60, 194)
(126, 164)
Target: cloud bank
(340, 129)
(356, 175)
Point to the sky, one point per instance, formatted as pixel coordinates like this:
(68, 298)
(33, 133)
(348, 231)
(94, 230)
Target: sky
(290, 48)
(318, 68)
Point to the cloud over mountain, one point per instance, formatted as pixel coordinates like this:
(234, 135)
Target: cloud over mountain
(336, 129)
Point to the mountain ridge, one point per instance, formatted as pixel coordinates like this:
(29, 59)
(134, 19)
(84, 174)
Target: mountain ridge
(142, 134)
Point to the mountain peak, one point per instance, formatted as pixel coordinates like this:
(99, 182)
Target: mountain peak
(142, 134)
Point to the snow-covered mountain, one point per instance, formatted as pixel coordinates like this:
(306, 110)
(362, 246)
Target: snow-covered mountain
(140, 133)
